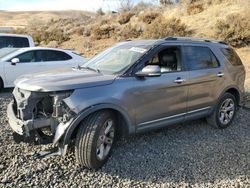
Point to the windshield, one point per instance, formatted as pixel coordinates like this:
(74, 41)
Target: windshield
(117, 58)
(6, 51)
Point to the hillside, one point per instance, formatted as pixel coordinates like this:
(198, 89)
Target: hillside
(90, 33)
(22, 19)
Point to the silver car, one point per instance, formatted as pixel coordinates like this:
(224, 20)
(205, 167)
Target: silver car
(132, 87)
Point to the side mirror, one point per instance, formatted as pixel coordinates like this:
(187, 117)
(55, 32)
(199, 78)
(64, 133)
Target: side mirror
(149, 71)
(14, 61)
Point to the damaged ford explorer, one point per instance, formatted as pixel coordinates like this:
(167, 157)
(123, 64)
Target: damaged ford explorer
(132, 87)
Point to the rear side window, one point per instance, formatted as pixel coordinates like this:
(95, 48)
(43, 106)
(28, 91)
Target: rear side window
(52, 55)
(231, 56)
(198, 57)
(13, 42)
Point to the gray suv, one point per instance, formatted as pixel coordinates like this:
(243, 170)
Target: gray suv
(132, 87)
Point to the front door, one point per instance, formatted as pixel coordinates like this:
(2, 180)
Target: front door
(27, 65)
(162, 100)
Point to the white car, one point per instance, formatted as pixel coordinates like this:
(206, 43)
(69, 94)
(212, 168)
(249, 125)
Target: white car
(17, 62)
(15, 41)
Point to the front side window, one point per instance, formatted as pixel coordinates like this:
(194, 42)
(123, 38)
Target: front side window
(198, 57)
(168, 59)
(117, 58)
(27, 57)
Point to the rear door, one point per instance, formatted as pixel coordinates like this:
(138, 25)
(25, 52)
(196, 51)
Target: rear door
(206, 78)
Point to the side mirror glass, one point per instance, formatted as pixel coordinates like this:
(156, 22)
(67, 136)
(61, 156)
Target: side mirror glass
(14, 61)
(150, 71)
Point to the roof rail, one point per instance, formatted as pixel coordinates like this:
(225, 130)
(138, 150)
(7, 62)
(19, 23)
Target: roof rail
(195, 39)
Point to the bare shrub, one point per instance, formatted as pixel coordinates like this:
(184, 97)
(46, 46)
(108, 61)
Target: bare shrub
(235, 29)
(194, 9)
(100, 12)
(141, 6)
(79, 31)
(166, 2)
(87, 31)
(57, 34)
(126, 5)
(52, 44)
(162, 27)
(87, 45)
(149, 16)
(102, 31)
(131, 32)
(125, 17)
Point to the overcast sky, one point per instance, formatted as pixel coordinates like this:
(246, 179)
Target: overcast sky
(90, 5)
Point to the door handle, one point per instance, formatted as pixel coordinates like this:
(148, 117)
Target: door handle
(220, 74)
(179, 80)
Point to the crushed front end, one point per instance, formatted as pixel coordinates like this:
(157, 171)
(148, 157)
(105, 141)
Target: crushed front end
(39, 117)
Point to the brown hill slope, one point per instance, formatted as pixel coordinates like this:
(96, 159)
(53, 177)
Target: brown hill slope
(23, 19)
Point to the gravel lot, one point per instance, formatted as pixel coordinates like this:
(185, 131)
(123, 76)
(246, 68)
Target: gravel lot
(191, 154)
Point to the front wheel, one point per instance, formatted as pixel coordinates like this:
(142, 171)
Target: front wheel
(1, 83)
(95, 139)
(224, 112)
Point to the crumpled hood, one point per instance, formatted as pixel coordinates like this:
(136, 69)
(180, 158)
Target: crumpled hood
(63, 79)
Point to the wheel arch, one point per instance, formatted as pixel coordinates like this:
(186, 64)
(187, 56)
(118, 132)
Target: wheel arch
(123, 118)
(235, 92)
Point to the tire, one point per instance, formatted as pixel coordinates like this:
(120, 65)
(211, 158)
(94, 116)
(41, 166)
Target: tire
(217, 119)
(93, 146)
(1, 83)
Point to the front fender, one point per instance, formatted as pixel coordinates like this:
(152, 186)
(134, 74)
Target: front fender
(130, 126)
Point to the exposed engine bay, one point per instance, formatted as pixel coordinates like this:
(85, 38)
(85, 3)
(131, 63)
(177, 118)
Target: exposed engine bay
(39, 117)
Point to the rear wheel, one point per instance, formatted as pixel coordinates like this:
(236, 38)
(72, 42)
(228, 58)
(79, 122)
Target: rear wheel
(95, 139)
(224, 112)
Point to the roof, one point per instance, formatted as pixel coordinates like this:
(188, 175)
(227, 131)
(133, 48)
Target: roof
(41, 48)
(191, 39)
(175, 40)
(13, 35)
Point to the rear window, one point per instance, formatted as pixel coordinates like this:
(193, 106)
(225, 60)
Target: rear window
(13, 42)
(231, 56)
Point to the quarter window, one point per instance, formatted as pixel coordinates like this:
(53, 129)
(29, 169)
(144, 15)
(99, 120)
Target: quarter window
(200, 58)
(231, 56)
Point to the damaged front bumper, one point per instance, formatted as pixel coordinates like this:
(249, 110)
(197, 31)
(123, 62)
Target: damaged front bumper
(24, 127)
(40, 118)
